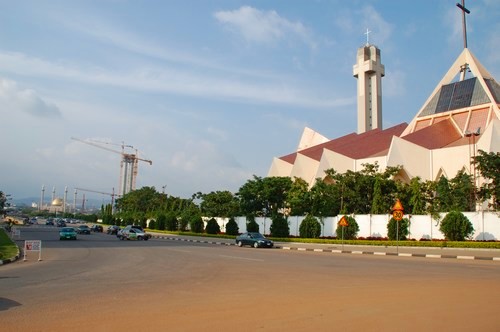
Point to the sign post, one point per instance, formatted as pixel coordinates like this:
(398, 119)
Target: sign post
(397, 214)
(343, 222)
(33, 245)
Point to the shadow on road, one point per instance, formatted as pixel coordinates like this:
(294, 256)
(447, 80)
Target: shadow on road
(6, 304)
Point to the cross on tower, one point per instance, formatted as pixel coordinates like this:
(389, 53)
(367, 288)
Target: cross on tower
(464, 24)
(367, 33)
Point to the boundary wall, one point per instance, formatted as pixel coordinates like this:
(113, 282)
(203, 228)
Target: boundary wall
(486, 225)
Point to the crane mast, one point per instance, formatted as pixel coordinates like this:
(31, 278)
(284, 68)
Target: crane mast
(129, 164)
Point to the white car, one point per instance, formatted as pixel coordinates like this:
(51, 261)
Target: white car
(132, 232)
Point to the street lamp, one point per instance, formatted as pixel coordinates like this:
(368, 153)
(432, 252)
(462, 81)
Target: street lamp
(472, 160)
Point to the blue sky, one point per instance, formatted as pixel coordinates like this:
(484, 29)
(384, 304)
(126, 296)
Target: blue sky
(210, 91)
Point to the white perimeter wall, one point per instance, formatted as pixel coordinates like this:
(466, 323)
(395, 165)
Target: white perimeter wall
(486, 225)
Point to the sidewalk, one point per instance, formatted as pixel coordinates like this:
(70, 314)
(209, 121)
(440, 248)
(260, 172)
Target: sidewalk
(425, 252)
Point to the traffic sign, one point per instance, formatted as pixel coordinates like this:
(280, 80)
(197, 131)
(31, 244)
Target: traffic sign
(343, 222)
(397, 215)
(398, 206)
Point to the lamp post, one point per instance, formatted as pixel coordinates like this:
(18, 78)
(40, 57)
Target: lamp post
(472, 160)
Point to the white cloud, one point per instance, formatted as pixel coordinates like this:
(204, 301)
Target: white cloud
(16, 99)
(171, 80)
(263, 27)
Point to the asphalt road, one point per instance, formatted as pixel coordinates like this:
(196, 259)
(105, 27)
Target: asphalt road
(99, 283)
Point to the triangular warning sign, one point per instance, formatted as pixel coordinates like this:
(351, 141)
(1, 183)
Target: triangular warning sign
(398, 206)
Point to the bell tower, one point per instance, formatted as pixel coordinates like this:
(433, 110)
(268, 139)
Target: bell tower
(369, 71)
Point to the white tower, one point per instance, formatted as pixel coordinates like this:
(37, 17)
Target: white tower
(369, 71)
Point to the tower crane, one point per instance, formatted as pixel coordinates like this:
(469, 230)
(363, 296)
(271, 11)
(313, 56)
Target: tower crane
(129, 164)
(112, 194)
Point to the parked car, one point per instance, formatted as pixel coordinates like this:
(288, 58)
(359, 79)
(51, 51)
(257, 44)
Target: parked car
(133, 232)
(67, 233)
(113, 229)
(96, 228)
(253, 239)
(83, 229)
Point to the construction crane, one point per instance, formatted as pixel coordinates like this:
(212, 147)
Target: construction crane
(113, 195)
(129, 164)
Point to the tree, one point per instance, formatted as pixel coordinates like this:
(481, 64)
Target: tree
(252, 225)
(443, 194)
(219, 204)
(398, 230)
(310, 227)
(417, 196)
(232, 227)
(378, 204)
(196, 224)
(212, 226)
(144, 201)
(462, 196)
(3, 199)
(324, 200)
(264, 196)
(279, 226)
(171, 223)
(161, 221)
(456, 226)
(190, 212)
(350, 232)
(107, 214)
(488, 165)
(298, 197)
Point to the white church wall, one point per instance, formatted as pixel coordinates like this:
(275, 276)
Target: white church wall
(416, 159)
(486, 225)
(451, 160)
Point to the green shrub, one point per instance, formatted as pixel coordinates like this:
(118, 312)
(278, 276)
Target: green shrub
(183, 223)
(232, 227)
(161, 221)
(279, 226)
(456, 226)
(152, 224)
(252, 225)
(350, 231)
(171, 224)
(212, 227)
(144, 222)
(395, 232)
(196, 224)
(310, 227)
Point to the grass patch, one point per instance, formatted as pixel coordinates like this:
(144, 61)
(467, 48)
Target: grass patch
(8, 249)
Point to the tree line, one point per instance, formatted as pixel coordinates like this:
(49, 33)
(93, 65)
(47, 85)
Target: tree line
(367, 191)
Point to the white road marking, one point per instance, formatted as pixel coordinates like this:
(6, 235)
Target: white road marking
(243, 258)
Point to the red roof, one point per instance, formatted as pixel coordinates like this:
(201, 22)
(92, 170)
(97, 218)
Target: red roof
(353, 145)
(435, 136)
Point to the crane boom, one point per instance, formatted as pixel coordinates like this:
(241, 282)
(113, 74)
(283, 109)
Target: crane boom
(128, 165)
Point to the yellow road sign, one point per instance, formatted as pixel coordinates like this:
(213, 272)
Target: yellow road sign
(343, 222)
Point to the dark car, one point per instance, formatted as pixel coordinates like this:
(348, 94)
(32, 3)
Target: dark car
(49, 222)
(96, 228)
(60, 223)
(67, 233)
(83, 229)
(113, 229)
(253, 239)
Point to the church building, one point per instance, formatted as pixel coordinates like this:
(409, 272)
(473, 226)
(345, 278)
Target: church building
(460, 117)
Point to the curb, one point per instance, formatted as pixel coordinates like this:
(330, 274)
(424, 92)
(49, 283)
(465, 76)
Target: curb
(353, 252)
